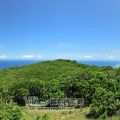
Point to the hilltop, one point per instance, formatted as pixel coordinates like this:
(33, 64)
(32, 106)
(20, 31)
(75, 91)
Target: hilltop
(99, 86)
(47, 70)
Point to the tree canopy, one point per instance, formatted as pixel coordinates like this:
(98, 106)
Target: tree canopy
(100, 86)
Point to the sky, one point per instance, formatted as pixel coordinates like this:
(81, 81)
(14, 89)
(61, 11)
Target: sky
(60, 29)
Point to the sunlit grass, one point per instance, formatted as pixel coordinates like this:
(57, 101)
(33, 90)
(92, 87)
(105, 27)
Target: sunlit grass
(57, 114)
(79, 114)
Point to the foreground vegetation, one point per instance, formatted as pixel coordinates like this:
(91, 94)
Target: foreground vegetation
(100, 86)
(78, 114)
(13, 112)
(56, 115)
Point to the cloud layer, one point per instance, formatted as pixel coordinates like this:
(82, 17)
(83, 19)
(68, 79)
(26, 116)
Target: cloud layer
(63, 45)
(3, 57)
(107, 55)
(28, 56)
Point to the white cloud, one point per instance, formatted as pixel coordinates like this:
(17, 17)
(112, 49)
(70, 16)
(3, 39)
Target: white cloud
(113, 54)
(87, 56)
(111, 57)
(39, 56)
(63, 45)
(74, 56)
(3, 57)
(28, 56)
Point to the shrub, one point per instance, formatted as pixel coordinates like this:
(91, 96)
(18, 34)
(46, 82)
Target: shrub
(45, 117)
(10, 112)
(105, 103)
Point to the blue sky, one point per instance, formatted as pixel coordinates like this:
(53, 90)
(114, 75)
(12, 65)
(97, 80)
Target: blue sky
(52, 29)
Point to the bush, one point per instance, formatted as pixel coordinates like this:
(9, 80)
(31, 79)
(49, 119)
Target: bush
(45, 117)
(105, 103)
(10, 112)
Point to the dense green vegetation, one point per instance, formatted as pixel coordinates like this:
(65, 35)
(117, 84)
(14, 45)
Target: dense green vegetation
(77, 114)
(10, 112)
(100, 86)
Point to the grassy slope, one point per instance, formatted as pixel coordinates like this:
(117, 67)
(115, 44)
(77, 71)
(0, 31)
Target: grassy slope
(57, 115)
(79, 114)
(48, 70)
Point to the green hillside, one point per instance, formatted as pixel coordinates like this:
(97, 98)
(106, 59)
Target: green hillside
(44, 70)
(100, 86)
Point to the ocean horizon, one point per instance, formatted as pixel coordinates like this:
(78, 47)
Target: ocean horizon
(14, 63)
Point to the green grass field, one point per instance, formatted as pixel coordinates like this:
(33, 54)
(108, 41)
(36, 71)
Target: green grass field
(79, 114)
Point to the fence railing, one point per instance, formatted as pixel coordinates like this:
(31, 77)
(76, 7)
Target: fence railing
(54, 103)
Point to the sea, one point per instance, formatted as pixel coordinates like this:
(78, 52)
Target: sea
(14, 63)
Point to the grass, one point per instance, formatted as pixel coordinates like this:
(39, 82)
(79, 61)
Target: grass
(79, 114)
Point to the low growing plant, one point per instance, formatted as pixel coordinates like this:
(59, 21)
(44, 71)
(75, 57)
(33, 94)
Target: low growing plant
(10, 112)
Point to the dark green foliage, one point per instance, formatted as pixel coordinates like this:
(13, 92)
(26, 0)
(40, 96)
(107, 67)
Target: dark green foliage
(104, 103)
(100, 86)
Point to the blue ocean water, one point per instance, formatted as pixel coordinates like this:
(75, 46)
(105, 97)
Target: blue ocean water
(113, 64)
(13, 63)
